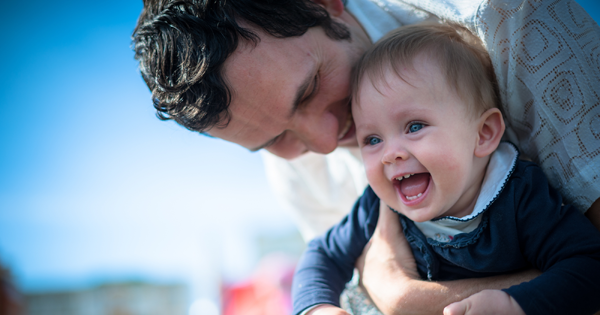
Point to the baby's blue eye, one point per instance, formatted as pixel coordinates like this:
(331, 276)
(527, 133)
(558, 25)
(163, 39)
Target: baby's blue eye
(373, 141)
(415, 127)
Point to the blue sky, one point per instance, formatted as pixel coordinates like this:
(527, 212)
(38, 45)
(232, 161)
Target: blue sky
(92, 185)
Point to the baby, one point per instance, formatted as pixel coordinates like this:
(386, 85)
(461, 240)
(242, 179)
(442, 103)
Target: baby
(429, 129)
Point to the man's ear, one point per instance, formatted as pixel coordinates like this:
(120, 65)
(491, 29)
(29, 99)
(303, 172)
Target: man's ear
(491, 129)
(334, 7)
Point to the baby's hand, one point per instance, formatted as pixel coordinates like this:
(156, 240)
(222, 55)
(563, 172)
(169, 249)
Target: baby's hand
(326, 309)
(485, 302)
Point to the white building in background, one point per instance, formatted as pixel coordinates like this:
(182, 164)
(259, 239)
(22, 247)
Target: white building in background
(127, 298)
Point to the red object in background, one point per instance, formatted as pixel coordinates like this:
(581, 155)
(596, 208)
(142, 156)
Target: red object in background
(267, 292)
(10, 298)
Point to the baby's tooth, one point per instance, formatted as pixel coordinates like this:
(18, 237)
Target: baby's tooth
(404, 176)
(413, 197)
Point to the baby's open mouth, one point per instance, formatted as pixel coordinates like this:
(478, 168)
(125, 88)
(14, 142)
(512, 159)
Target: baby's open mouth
(412, 186)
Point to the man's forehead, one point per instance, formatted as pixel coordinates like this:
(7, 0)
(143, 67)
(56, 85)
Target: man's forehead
(264, 81)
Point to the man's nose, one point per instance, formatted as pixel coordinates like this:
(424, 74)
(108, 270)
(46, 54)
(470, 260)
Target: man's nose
(319, 133)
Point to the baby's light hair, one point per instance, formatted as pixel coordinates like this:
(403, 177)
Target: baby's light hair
(460, 54)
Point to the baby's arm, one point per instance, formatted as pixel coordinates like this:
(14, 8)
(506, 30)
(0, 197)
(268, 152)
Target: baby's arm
(559, 241)
(389, 274)
(326, 309)
(485, 302)
(328, 262)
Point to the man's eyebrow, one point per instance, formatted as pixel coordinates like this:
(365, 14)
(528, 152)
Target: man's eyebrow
(297, 102)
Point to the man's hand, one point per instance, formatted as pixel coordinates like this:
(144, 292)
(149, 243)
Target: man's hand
(387, 249)
(387, 264)
(493, 302)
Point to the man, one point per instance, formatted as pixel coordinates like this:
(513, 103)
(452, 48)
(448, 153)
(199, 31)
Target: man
(274, 75)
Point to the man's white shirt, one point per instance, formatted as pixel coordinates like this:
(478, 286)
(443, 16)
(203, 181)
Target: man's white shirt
(546, 57)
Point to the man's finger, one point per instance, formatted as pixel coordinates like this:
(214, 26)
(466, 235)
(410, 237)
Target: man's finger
(388, 225)
(360, 262)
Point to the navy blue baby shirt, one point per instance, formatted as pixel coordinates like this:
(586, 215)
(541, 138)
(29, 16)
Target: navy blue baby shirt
(526, 226)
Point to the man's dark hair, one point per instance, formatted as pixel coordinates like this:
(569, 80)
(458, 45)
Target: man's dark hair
(182, 45)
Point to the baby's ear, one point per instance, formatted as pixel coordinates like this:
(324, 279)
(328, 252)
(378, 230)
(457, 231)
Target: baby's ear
(491, 129)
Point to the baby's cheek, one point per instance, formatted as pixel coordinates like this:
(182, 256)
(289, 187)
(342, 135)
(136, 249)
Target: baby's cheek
(448, 169)
(379, 183)
(374, 176)
(450, 165)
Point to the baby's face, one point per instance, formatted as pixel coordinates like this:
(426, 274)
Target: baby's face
(417, 142)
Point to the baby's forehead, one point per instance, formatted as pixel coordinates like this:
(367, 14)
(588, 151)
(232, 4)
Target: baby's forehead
(420, 74)
(420, 67)
(440, 57)
(428, 80)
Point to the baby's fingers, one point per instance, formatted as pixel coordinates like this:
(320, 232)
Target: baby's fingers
(457, 308)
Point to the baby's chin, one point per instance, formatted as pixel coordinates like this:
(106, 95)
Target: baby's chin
(421, 218)
(418, 215)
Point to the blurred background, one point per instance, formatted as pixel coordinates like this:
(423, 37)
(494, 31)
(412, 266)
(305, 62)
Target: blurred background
(104, 209)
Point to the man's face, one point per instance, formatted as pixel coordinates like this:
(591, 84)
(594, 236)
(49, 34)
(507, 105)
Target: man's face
(291, 95)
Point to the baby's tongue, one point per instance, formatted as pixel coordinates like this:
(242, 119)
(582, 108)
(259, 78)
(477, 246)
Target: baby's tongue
(415, 184)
